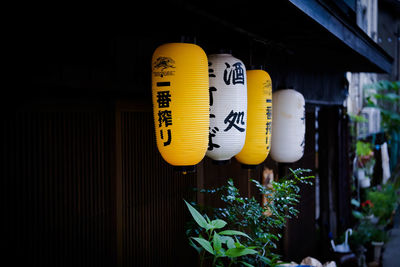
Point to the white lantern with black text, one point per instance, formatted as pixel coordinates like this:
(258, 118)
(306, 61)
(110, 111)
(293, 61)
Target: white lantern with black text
(288, 126)
(228, 106)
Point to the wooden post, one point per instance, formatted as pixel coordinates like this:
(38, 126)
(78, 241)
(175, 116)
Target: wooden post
(200, 182)
(118, 186)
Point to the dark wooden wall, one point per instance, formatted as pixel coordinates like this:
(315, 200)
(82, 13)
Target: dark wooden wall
(86, 186)
(58, 196)
(153, 212)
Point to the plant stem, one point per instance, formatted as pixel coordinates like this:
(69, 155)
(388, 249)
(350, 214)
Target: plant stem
(202, 258)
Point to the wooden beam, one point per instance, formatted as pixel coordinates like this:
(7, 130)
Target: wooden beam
(349, 33)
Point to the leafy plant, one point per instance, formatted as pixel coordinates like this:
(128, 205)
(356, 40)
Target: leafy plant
(381, 202)
(261, 221)
(385, 96)
(358, 118)
(366, 232)
(365, 155)
(363, 149)
(223, 244)
(379, 235)
(385, 201)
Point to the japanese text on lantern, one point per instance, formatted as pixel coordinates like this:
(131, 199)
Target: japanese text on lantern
(234, 119)
(234, 73)
(164, 99)
(303, 143)
(212, 132)
(269, 122)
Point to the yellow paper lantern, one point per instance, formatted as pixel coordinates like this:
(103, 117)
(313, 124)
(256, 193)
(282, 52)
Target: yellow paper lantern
(259, 118)
(181, 103)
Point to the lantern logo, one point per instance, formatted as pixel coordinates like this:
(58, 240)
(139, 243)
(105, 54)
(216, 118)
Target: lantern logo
(266, 86)
(163, 63)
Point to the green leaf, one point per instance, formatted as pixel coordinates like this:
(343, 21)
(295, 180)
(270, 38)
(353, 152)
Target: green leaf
(363, 148)
(239, 245)
(355, 202)
(197, 216)
(207, 219)
(218, 224)
(205, 244)
(246, 264)
(217, 242)
(237, 252)
(234, 232)
(198, 249)
(357, 214)
(230, 243)
(388, 96)
(392, 115)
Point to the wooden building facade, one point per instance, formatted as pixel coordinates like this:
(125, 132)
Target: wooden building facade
(82, 181)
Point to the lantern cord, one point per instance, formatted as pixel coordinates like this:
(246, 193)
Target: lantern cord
(250, 53)
(228, 25)
(248, 183)
(188, 39)
(185, 169)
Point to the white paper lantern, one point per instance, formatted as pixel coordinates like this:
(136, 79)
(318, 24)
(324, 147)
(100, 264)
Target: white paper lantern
(228, 106)
(288, 126)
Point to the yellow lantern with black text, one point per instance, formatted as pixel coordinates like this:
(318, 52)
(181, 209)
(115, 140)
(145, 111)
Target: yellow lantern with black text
(180, 103)
(259, 119)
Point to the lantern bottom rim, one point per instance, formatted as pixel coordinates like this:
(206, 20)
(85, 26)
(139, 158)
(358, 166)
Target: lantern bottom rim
(185, 169)
(221, 162)
(249, 166)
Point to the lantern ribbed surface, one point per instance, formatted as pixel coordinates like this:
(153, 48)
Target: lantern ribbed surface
(228, 106)
(288, 126)
(180, 102)
(259, 117)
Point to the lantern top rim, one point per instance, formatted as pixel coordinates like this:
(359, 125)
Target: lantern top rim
(285, 87)
(220, 54)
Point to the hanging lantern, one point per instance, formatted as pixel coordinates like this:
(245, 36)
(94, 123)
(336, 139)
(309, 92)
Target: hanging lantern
(259, 119)
(180, 103)
(288, 126)
(228, 107)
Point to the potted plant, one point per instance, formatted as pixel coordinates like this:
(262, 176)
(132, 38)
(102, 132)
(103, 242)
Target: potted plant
(260, 220)
(365, 163)
(385, 200)
(374, 215)
(367, 207)
(221, 244)
(378, 237)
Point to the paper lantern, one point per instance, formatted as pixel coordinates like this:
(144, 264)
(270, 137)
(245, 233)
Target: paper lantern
(181, 103)
(228, 107)
(288, 126)
(259, 119)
